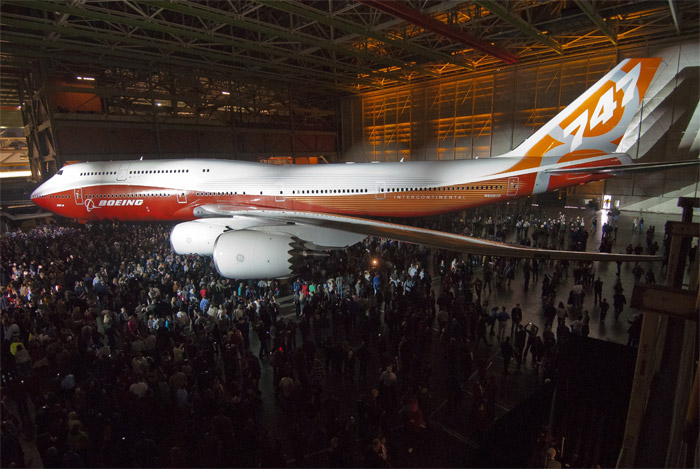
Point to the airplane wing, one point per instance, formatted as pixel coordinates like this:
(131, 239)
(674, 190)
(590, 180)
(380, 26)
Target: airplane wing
(627, 168)
(411, 234)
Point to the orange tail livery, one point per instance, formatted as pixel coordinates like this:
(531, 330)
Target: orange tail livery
(594, 124)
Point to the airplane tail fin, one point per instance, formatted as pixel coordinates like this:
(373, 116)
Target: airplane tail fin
(596, 121)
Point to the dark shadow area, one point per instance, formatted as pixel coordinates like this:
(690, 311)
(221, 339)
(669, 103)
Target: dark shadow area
(591, 401)
(582, 414)
(510, 441)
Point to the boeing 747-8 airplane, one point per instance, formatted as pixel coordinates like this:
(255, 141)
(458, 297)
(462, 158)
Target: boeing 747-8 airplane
(258, 220)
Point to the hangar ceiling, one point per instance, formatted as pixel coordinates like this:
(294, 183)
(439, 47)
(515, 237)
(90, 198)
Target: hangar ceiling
(317, 46)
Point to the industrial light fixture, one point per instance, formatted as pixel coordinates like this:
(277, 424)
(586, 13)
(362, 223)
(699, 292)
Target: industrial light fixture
(14, 174)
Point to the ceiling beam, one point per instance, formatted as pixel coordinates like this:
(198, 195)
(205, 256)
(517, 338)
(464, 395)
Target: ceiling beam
(36, 47)
(67, 31)
(431, 24)
(305, 11)
(589, 9)
(34, 51)
(202, 11)
(180, 31)
(674, 15)
(522, 25)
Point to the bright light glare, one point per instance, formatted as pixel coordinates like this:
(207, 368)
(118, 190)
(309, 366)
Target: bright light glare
(15, 174)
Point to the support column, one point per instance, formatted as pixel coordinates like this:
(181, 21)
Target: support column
(665, 358)
(44, 159)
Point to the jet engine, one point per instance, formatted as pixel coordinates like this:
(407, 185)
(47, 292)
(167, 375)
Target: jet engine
(245, 247)
(199, 236)
(256, 254)
(194, 237)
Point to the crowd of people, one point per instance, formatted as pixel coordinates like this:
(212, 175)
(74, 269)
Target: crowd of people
(116, 352)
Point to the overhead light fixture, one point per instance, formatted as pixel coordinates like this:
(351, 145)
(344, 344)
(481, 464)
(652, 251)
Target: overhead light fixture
(15, 174)
(86, 78)
(158, 104)
(225, 92)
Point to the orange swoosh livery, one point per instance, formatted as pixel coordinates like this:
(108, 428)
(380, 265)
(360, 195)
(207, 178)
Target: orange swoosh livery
(259, 220)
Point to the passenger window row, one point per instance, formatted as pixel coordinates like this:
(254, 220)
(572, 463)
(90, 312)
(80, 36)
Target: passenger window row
(441, 189)
(117, 196)
(357, 191)
(330, 191)
(149, 171)
(99, 173)
(213, 194)
(160, 171)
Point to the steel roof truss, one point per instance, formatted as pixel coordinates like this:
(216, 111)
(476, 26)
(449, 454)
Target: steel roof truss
(306, 11)
(176, 32)
(589, 9)
(522, 25)
(293, 37)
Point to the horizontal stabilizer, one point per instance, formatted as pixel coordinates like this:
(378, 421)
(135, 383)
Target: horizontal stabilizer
(624, 168)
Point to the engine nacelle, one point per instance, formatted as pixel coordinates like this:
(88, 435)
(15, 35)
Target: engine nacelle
(253, 254)
(199, 236)
(195, 237)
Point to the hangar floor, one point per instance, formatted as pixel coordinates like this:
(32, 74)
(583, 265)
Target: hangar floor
(449, 440)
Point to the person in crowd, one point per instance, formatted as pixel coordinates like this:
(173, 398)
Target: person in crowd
(635, 330)
(531, 330)
(619, 302)
(516, 317)
(506, 354)
(562, 313)
(585, 323)
(551, 461)
(604, 307)
(502, 316)
(597, 291)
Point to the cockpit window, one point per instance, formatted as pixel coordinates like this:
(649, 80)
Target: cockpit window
(60, 171)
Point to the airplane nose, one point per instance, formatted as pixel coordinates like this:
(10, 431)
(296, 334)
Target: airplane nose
(36, 196)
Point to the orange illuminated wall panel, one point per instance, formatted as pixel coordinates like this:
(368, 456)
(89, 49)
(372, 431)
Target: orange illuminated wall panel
(71, 101)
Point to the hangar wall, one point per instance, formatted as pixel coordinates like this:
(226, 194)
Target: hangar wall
(487, 114)
(125, 115)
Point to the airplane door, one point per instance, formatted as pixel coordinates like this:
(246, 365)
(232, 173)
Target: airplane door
(512, 186)
(279, 194)
(182, 197)
(123, 172)
(381, 191)
(78, 195)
